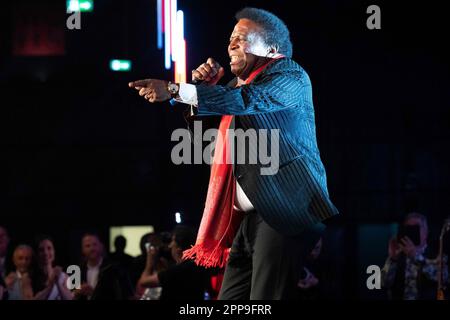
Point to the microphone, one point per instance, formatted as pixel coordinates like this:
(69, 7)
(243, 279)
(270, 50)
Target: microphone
(196, 81)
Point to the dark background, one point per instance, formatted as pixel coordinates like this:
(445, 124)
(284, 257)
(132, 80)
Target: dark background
(81, 151)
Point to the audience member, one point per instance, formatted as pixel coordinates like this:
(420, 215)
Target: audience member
(160, 263)
(100, 278)
(182, 281)
(119, 256)
(52, 279)
(163, 260)
(409, 273)
(20, 281)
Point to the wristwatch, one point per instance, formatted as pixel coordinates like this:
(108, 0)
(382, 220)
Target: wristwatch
(173, 89)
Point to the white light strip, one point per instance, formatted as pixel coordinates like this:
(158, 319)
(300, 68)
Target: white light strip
(179, 36)
(182, 69)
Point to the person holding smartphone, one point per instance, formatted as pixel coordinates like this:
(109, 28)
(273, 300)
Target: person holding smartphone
(408, 273)
(180, 282)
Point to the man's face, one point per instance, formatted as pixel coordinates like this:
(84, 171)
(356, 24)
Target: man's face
(4, 242)
(91, 247)
(22, 259)
(246, 48)
(423, 229)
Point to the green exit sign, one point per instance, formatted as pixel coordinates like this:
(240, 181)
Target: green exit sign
(80, 5)
(120, 65)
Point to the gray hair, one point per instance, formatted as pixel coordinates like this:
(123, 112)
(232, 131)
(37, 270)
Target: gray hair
(274, 31)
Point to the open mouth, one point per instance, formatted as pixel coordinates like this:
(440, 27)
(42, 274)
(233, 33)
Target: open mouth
(234, 60)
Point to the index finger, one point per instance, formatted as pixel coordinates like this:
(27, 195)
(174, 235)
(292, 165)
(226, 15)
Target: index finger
(138, 83)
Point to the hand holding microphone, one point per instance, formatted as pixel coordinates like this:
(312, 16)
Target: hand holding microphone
(210, 72)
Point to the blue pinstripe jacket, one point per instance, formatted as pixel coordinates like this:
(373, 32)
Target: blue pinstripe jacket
(280, 97)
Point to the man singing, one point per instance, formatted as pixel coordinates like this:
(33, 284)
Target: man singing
(270, 221)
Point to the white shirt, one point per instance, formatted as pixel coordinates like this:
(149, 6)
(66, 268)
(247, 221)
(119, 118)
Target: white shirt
(188, 95)
(92, 274)
(242, 202)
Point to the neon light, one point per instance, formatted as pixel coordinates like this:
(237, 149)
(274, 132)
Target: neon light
(180, 65)
(182, 70)
(79, 5)
(179, 52)
(86, 6)
(163, 14)
(73, 6)
(179, 36)
(120, 65)
(173, 28)
(170, 22)
(178, 217)
(159, 26)
(167, 31)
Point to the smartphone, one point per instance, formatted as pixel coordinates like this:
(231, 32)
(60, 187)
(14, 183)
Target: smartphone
(412, 232)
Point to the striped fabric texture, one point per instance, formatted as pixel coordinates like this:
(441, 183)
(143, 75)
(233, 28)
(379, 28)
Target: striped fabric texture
(280, 98)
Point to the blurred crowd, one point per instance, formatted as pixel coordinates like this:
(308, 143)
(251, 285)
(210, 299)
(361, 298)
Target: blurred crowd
(158, 273)
(30, 272)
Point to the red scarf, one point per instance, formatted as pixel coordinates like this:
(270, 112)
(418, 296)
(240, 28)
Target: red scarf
(220, 220)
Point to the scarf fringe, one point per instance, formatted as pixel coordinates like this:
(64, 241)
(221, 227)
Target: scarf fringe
(208, 256)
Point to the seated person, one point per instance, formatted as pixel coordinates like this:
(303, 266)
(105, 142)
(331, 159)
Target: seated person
(182, 281)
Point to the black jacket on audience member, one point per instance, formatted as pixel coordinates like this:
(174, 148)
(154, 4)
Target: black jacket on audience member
(113, 282)
(184, 281)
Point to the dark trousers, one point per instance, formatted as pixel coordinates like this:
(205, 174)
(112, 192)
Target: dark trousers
(264, 264)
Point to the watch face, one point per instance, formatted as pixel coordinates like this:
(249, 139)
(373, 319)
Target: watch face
(173, 88)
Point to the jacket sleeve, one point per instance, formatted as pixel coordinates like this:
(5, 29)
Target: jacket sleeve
(268, 93)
